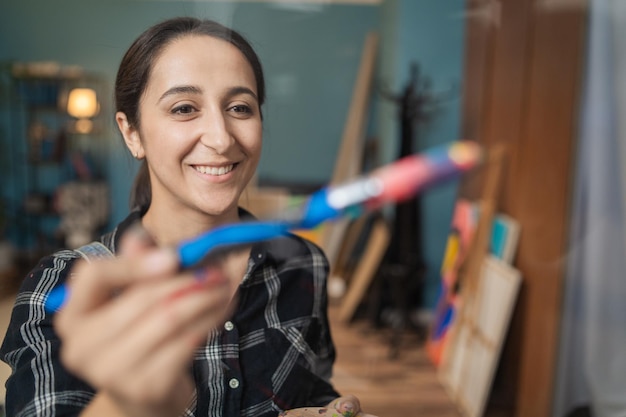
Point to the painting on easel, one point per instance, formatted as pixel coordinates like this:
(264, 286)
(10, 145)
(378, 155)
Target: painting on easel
(503, 241)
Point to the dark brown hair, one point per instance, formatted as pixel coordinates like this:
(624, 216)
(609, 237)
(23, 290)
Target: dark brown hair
(137, 63)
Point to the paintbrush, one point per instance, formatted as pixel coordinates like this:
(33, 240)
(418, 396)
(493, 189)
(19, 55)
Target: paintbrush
(395, 182)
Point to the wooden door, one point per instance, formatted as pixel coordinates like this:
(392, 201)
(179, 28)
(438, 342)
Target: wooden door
(523, 73)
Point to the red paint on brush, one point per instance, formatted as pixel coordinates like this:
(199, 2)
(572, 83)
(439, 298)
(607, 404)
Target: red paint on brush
(402, 179)
(408, 176)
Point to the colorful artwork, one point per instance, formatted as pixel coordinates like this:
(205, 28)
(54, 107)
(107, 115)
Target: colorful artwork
(504, 237)
(463, 227)
(503, 245)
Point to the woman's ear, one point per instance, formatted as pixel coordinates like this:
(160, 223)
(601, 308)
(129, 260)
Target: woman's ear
(131, 136)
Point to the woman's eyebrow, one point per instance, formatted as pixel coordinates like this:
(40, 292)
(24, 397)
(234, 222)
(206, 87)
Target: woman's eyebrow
(192, 89)
(181, 89)
(242, 90)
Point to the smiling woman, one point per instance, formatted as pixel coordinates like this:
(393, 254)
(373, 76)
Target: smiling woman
(200, 133)
(247, 334)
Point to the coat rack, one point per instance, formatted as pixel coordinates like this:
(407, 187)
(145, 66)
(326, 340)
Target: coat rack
(403, 267)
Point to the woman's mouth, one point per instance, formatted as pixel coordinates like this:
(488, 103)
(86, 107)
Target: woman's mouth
(215, 171)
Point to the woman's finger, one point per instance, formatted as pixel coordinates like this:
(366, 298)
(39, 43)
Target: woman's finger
(85, 334)
(94, 283)
(142, 317)
(135, 241)
(188, 314)
(348, 405)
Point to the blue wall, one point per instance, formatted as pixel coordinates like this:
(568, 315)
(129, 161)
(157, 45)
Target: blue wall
(310, 54)
(431, 33)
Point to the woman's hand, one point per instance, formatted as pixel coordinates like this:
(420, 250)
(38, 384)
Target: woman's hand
(132, 324)
(348, 406)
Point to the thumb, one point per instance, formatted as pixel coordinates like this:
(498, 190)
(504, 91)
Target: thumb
(347, 405)
(136, 240)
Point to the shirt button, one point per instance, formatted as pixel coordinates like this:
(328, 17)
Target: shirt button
(233, 383)
(229, 325)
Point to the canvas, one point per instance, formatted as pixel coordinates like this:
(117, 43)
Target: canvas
(471, 357)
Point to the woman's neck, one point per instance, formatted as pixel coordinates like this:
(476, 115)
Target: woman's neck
(169, 229)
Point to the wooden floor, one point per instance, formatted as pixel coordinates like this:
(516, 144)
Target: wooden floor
(405, 386)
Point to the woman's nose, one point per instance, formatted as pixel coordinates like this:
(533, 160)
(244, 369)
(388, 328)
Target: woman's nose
(216, 134)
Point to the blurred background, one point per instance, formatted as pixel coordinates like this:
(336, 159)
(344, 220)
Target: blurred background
(353, 85)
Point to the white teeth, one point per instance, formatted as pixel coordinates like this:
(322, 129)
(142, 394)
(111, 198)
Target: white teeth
(217, 171)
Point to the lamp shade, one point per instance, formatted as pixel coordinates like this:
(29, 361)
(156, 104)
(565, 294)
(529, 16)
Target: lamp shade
(82, 103)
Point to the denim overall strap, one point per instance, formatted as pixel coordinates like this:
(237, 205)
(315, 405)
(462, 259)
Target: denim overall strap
(94, 250)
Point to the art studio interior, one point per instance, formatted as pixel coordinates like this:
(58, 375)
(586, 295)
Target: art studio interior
(495, 288)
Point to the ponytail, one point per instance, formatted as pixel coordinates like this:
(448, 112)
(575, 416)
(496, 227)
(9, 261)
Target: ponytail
(141, 193)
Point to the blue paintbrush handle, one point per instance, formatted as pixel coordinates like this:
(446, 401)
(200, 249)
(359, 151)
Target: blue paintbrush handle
(193, 251)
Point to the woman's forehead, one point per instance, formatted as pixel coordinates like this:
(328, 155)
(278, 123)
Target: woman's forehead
(201, 57)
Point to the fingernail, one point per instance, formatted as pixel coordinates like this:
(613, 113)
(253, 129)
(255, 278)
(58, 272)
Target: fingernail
(189, 289)
(140, 233)
(347, 409)
(159, 261)
(209, 276)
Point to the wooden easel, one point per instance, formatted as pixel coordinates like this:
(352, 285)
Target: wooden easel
(349, 157)
(487, 206)
(373, 253)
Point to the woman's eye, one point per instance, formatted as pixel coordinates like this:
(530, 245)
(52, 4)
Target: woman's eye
(241, 108)
(184, 109)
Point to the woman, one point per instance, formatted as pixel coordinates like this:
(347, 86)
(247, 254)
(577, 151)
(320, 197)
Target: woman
(245, 336)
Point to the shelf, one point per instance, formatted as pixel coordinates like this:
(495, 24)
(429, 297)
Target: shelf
(37, 144)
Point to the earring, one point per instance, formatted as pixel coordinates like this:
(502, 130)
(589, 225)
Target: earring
(135, 154)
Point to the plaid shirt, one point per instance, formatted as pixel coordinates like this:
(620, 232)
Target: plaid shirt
(275, 353)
